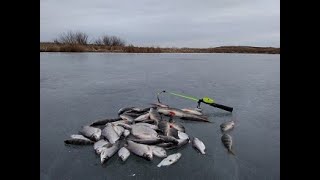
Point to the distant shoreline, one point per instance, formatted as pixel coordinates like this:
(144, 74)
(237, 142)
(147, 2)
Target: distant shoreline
(57, 47)
(78, 42)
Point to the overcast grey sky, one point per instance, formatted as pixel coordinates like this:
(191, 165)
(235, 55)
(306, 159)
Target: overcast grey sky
(166, 23)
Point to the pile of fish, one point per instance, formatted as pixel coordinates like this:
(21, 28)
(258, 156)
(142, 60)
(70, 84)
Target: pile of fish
(145, 132)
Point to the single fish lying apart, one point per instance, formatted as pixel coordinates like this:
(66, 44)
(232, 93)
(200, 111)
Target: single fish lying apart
(226, 126)
(227, 142)
(199, 145)
(170, 160)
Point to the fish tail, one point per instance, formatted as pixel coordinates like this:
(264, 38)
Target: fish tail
(231, 152)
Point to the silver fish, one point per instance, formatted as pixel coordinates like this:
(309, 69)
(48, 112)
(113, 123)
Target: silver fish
(108, 151)
(154, 115)
(159, 151)
(131, 114)
(140, 110)
(192, 111)
(124, 109)
(147, 124)
(140, 149)
(182, 114)
(171, 111)
(170, 159)
(109, 133)
(227, 142)
(118, 129)
(99, 144)
(77, 139)
(91, 132)
(104, 121)
(143, 132)
(168, 139)
(124, 123)
(177, 126)
(199, 145)
(124, 153)
(126, 133)
(183, 135)
(227, 126)
(126, 117)
(142, 117)
(167, 129)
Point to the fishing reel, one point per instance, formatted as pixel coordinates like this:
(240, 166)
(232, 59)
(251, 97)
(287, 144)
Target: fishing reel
(205, 100)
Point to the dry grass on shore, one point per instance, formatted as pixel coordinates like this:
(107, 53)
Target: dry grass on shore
(57, 47)
(79, 42)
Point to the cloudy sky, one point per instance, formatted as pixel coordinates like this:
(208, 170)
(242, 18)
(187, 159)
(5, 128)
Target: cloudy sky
(166, 23)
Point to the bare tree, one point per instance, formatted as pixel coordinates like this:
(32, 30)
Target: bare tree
(110, 41)
(116, 41)
(106, 40)
(72, 38)
(81, 38)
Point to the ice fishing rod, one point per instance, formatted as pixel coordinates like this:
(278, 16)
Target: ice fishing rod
(205, 100)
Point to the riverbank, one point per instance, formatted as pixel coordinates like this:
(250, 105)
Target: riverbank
(57, 47)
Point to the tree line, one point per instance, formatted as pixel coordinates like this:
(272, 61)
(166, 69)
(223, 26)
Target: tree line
(81, 38)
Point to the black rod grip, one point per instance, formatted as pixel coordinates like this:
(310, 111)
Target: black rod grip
(230, 109)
